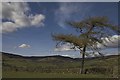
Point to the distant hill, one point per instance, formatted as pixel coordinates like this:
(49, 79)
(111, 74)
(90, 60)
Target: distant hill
(10, 55)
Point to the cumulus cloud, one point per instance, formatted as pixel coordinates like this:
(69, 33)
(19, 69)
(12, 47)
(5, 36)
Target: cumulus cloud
(17, 15)
(24, 46)
(111, 42)
(66, 11)
(65, 47)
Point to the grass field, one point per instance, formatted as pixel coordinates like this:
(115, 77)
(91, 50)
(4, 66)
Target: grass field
(50, 75)
(58, 67)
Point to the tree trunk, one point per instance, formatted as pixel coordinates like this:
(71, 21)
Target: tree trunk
(83, 58)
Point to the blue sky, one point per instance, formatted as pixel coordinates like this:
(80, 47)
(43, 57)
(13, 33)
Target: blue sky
(32, 35)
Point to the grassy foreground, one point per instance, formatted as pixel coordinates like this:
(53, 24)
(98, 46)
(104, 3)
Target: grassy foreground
(15, 66)
(50, 75)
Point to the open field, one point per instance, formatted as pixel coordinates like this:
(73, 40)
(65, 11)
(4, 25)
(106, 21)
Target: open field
(15, 66)
(50, 75)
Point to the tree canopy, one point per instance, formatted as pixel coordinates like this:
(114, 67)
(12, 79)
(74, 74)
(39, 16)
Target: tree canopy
(91, 31)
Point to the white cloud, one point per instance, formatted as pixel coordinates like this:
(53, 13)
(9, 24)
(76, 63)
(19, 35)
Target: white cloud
(37, 19)
(111, 42)
(66, 11)
(66, 55)
(8, 27)
(17, 15)
(65, 47)
(24, 46)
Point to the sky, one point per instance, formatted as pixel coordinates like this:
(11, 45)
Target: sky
(27, 26)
